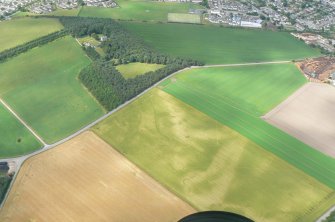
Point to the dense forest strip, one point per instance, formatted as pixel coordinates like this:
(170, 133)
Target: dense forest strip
(9, 53)
(120, 47)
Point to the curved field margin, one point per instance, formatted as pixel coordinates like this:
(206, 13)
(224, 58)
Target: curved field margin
(85, 179)
(218, 45)
(209, 165)
(132, 70)
(15, 139)
(21, 30)
(217, 92)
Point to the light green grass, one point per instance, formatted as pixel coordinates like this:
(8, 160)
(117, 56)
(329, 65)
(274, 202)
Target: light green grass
(42, 87)
(65, 12)
(90, 40)
(18, 31)
(15, 139)
(217, 45)
(139, 10)
(237, 96)
(208, 164)
(184, 18)
(131, 70)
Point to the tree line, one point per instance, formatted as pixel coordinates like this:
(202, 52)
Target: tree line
(9, 53)
(111, 89)
(121, 47)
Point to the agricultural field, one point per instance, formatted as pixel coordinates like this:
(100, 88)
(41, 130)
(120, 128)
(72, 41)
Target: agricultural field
(218, 45)
(15, 139)
(132, 70)
(21, 30)
(85, 179)
(236, 96)
(42, 87)
(139, 10)
(210, 165)
(309, 116)
(184, 18)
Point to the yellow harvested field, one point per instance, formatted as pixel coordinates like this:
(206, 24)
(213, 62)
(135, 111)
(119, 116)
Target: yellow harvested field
(85, 179)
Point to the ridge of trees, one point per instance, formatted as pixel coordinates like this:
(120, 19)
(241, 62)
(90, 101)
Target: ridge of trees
(9, 53)
(101, 78)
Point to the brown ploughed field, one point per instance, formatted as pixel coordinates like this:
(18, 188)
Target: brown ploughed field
(85, 179)
(309, 115)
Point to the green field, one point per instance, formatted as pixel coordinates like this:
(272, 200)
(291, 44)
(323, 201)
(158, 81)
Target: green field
(131, 70)
(217, 45)
(42, 87)
(209, 165)
(15, 139)
(237, 96)
(184, 18)
(18, 31)
(139, 10)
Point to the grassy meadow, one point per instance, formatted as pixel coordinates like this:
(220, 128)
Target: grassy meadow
(210, 165)
(132, 70)
(42, 87)
(237, 96)
(15, 139)
(184, 18)
(218, 45)
(21, 30)
(139, 10)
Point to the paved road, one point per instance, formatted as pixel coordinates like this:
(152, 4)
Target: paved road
(20, 160)
(325, 215)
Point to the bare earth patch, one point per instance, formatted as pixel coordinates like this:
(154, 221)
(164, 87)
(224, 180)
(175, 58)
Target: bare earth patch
(309, 116)
(87, 180)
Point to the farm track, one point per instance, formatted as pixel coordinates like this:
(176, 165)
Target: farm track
(21, 159)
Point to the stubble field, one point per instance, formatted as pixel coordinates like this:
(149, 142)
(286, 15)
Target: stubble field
(309, 116)
(87, 180)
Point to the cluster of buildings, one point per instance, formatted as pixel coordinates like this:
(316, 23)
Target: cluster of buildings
(101, 3)
(8, 7)
(233, 13)
(300, 15)
(47, 6)
(317, 40)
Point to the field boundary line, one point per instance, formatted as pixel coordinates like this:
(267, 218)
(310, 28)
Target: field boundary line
(326, 214)
(22, 121)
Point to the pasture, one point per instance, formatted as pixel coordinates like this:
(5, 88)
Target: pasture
(184, 18)
(236, 96)
(21, 30)
(15, 139)
(42, 87)
(132, 70)
(218, 45)
(139, 10)
(309, 116)
(209, 165)
(85, 179)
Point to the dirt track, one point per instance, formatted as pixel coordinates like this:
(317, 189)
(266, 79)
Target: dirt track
(309, 115)
(85, 179)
